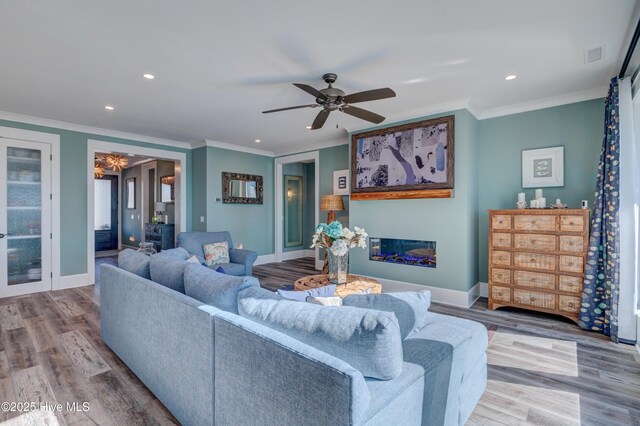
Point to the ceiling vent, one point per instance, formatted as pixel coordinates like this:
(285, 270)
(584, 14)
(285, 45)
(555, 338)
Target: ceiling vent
(594, 55)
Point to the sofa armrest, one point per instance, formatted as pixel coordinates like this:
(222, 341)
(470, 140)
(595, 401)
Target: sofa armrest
(243, 257)
(266, 377)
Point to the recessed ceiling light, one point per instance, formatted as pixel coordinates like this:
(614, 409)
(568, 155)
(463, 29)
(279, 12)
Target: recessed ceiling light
(308, 127)
(510, 77)
(258, 141)
(149, 76)
(109, 107)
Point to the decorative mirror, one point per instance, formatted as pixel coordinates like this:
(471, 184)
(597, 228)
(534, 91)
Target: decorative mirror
(167, 186)
(239, 188)
(131, 193)
(293, 211)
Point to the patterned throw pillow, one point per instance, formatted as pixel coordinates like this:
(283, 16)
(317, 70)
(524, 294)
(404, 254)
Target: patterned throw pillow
(216, 253)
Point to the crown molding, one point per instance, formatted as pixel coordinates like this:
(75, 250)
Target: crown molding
(38, 121)
(313, 146)
(569, 98)
(232, 147)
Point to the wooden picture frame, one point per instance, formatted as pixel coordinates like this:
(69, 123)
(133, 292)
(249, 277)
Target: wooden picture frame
(241, 188)
(414, 160)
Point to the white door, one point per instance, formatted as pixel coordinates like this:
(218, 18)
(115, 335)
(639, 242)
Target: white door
(25, 217)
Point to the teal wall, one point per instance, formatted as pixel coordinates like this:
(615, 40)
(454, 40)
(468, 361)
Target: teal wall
(250, 224)
(577, 127)
(200, 189)
(449, 222)
(73, 186)
(332, 159)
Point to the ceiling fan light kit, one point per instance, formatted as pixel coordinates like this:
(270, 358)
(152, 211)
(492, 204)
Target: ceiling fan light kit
(334, 99)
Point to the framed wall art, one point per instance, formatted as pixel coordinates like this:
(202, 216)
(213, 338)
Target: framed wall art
(413, 160)
(241, 188)
(341, 182)
(543, 167)
(131, 193)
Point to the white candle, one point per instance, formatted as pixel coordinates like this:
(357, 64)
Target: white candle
(521, 197)
(558, 202)
(542, 203)
(538, 193)
(533, 204)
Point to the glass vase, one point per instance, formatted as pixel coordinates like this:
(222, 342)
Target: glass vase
(338, 268)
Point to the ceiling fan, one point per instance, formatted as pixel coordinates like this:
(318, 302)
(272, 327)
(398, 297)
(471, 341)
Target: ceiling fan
(333, 99)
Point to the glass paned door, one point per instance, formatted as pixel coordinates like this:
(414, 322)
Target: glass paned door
(25, 217)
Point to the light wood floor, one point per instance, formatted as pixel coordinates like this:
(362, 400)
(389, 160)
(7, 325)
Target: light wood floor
(543, 370)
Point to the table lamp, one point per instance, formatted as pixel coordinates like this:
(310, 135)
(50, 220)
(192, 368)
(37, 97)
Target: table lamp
(160, 208)
(331, 204)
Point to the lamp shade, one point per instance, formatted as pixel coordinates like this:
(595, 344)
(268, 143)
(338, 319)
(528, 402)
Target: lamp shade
(331, 203)
(161, 207)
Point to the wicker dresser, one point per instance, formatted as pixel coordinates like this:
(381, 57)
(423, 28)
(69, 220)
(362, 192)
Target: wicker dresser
(536, 259)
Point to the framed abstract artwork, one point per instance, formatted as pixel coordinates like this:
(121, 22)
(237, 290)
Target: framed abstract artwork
(341, 182)
(415, 157)
(543, 167)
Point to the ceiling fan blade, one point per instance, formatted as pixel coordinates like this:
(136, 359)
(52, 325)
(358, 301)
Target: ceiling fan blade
(320, 119)
(310, 90)
(288, 108)
(363, 114)
(369, 95)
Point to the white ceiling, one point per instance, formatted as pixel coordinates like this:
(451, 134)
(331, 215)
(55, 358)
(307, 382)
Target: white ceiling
(219, 64)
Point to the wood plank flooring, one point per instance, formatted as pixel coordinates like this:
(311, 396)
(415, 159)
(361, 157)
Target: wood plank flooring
(543, 370)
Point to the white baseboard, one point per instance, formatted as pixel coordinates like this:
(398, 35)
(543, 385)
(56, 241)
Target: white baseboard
(484, 289)
(297, 254)
(265, 258)
(446, 296)
(72, 281)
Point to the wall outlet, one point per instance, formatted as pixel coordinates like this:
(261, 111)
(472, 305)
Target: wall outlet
(132, 217)
(201, 219)
(217, 200)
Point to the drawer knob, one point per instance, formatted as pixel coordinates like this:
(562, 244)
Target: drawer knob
(571, 244)
(533, 241)
(571, 304)
(500, 222)
(571, 223)
(570, 263)
(533, 261)
(533, 299)
(533, 222)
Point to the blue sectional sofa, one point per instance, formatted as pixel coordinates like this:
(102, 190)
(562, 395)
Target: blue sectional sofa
(220, 363)
(240, 260)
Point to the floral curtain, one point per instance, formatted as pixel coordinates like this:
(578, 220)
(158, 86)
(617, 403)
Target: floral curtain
(599, 308)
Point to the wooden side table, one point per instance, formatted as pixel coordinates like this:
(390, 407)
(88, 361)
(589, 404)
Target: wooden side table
(355, 284)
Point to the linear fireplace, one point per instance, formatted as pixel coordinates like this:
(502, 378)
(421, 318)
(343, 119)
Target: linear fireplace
(404, 252)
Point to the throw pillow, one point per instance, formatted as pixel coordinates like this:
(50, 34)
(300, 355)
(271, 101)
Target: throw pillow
(193, 259)
(409, 307)
(220, 270)
(215, 253)
(214, 288)
(366, 339)
(301, 295)
(168, 269)
(134, 262)
(325, 301)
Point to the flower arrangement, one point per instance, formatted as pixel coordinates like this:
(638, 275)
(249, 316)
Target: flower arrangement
(339, 239)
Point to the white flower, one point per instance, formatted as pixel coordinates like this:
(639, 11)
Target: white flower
(347, 234)
(339, 247)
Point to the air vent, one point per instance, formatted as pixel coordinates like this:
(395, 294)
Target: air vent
(594, 55)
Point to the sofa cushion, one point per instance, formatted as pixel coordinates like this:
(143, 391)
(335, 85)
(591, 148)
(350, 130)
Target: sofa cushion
(214, 288)
(230, 268)
(216, 253)
(301, 295)
(168, 269)
(177, 252)
(134, 262)
(409, 307)
(368, 340)
(193, 241)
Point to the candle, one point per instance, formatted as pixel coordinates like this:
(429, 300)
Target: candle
(558, 202)
(542, 203)
(521, 197)
(538, 193)
(533, 204)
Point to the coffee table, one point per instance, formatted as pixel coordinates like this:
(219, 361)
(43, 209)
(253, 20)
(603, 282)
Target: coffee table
(355, 284)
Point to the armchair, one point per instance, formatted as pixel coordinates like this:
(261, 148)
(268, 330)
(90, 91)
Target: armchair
(240, 261)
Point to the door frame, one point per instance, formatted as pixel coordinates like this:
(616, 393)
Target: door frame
(180, 160)
(53, 140)
(313, 156)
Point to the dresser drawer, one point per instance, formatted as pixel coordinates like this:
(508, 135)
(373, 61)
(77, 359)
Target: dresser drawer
(535, 261)
(501, 258)
(571, 264)
(501, 239)
(569, 303)
(571, 223)
(571, 243)
(534, 280)
(534, 298)
(502, 276)
(501, 222)
(501, 293)
(534, 242)
(534, 223)
(570, 284)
